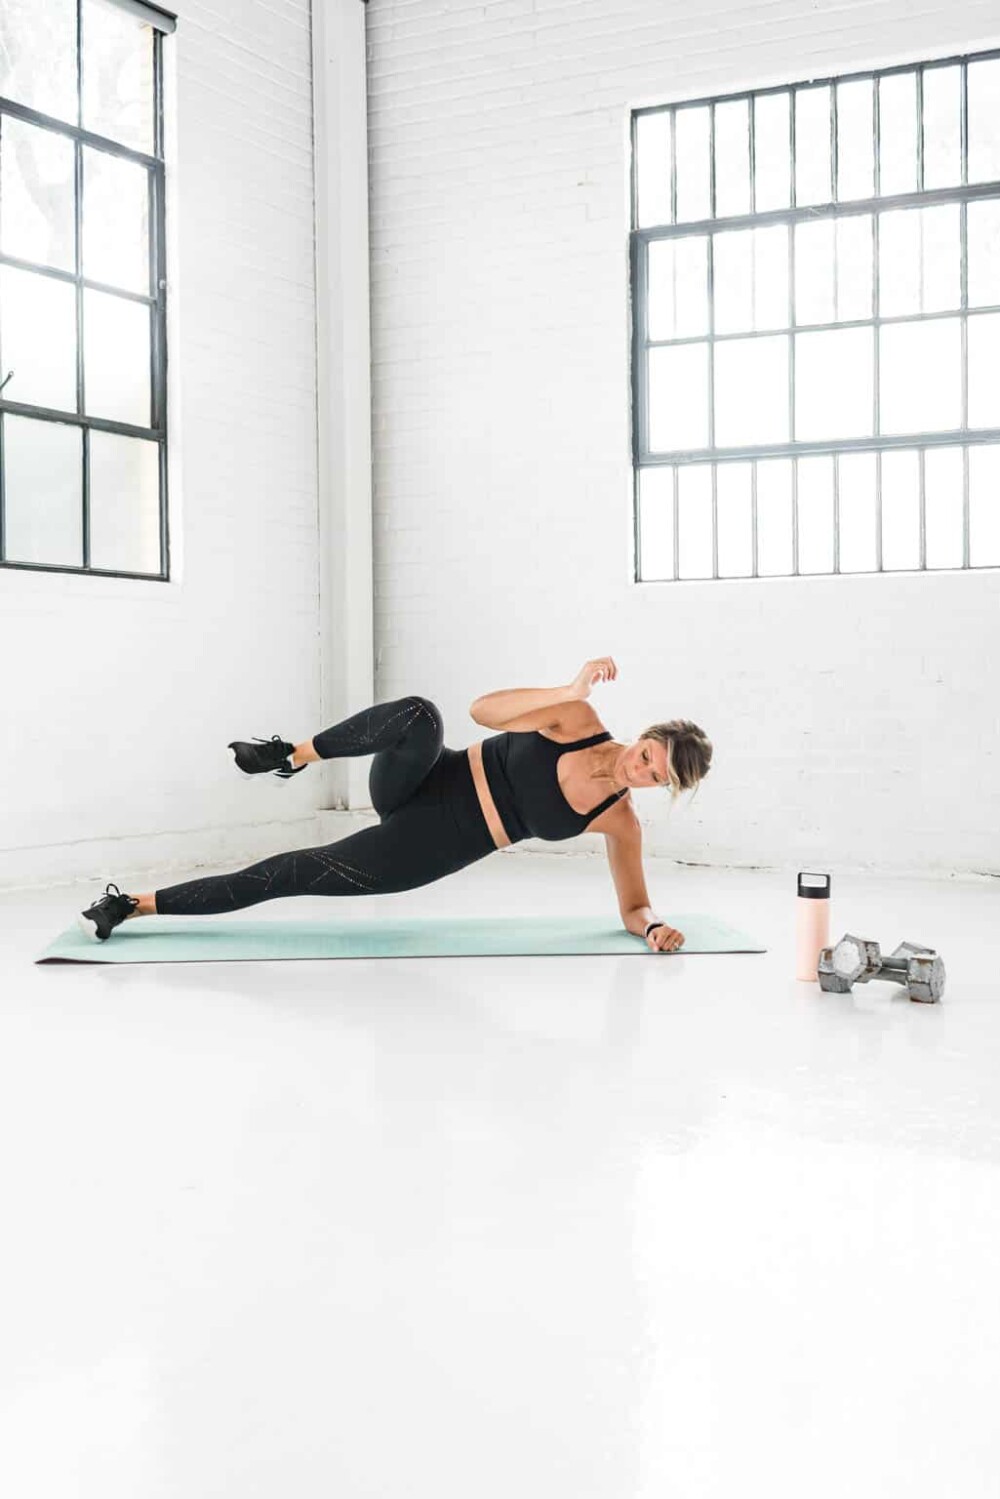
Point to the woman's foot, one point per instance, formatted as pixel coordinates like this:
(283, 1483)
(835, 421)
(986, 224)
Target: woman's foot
(107, 912)
(257, 757)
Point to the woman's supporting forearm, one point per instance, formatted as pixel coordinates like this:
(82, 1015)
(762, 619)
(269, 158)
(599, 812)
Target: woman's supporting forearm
(638, 919)
(511, 703)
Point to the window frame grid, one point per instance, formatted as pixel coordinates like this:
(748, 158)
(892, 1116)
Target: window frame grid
(156, 303)
(877, 443)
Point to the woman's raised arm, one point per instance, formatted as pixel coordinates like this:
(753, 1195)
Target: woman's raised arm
(498, 710)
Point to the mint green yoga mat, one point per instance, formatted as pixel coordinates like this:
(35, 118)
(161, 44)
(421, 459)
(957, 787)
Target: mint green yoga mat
(216, 939)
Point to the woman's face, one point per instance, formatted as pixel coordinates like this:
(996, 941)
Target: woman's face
(646, 763)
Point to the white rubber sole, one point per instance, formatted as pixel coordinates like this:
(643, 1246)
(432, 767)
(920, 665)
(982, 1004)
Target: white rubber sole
(262, 775)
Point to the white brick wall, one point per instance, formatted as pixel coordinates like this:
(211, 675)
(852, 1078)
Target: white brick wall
(854, 718)
(119, 697)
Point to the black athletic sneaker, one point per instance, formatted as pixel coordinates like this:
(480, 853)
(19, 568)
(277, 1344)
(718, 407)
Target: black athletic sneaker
(262, 755)
(107, 912)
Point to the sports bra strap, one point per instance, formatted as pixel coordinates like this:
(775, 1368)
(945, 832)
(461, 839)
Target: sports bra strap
(583, 743)
(608, 801)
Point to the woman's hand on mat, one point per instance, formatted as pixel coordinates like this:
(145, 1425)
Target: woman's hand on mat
(601, 669)
(665, 939)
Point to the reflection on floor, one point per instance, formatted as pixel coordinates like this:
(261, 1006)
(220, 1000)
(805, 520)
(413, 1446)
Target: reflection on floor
(559, 1229)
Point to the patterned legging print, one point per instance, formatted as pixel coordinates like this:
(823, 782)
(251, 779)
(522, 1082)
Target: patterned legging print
(416, 842)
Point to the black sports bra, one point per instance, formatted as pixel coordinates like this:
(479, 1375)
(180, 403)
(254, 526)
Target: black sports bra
(522, 774)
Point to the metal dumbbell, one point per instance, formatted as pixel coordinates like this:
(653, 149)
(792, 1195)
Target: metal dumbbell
(857, 960)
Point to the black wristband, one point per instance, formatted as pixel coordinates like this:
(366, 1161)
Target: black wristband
(652, 924)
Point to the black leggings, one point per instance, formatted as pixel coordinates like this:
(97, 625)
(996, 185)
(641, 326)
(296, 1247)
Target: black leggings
(431, 823)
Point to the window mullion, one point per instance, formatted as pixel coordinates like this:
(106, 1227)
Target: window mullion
(78, 267)
(964, 229)
(711, 341)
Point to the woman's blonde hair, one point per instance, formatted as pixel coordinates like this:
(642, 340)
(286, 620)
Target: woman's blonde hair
(689, 752)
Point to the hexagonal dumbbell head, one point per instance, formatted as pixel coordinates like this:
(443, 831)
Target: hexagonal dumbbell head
(854, 960)
(921, 969)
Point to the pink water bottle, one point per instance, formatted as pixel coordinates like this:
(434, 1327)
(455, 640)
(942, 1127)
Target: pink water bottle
(812, 925)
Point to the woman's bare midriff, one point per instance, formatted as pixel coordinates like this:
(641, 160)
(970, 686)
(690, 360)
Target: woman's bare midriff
(489, 806)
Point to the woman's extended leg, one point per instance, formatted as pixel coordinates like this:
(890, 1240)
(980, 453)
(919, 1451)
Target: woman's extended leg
(405, 736)
(421, 843)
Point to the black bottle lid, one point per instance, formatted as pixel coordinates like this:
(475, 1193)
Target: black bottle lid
(814, 886)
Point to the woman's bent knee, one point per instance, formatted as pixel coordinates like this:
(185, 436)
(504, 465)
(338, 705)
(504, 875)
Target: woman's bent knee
(426, 708)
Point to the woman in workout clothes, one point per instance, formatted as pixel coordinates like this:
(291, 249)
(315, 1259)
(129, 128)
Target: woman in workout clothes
(541, 775)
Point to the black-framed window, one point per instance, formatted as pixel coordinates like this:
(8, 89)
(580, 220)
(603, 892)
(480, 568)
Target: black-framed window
(83, 357)
(816, 326)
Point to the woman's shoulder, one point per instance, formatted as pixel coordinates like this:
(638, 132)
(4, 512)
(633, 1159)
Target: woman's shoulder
(578, 720)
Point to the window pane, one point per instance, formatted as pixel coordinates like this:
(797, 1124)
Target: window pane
(694, 521)
(772, 158)
(834, 384)
(984, 252)
(814, 245)
(943, 500)
(826, 245)
(678, 287)
(812, 145)
(942, 127)
(855, 140)
(900, 511)
(770, 261)
(117, 75)
(733, 281)
(855, 266)
(984, 384)
(815, 509)
(941, 253)
(116, 358)
(899, 262)
(920, 260)
(735, 520)
(124, 504)
(38, 62)
(984, 120)
(732, 157)
(751, 279)
(691, 260)
(984, 507)
(774, 518)
(751, 391)
(115, 221)
(678, 398)
(43, 476)
(656, 524)
(693, 181)
(652, 169)
(898, 133)
(38, 329)
(858, 513)
(38, 219)
(920, 377)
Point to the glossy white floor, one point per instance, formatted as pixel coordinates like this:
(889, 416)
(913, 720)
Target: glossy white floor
(576, 1228)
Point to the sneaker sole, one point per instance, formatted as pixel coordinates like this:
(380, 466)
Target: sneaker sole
(257, 775)
(89, 928)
